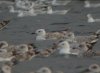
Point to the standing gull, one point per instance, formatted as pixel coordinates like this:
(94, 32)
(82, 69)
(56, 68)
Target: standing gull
(91, 19)
(89, 5)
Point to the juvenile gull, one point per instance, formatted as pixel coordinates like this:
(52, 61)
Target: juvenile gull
(26, 52)
(47, 52)
(6, 68)
(4, 23)
(22, 48)
(93, 68)
(91, 39)
(5, 56)
(3, 44)
(44, 70)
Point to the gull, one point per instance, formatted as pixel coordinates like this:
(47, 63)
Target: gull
(3, 44)
(4, 23)
(6, 68)
(25, 52)
(91, 39)
(64, 48)
(41, 34)
(12, 10)
(88, 5)
(72, 48)
(24, 4)
(26, 13)
(47, 52)
(5, 56)
(56, 2)
(22, 13)
(44, 70)
(44, 9)
(93, 68)
(91, 53)
(22, 48)
(91, 19)
(62, 12)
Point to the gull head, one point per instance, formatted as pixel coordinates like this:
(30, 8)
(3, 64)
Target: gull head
(63, 44)
(70, 37)
(23, 48)
(3, 44)
(64, 48)
(95, 68)
(41, 34)
(3, 51)
(6, 68)
(83, 46)
(44, 70)
(90, 18)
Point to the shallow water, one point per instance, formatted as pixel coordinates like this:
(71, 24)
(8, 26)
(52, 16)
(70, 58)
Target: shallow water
(19, 31)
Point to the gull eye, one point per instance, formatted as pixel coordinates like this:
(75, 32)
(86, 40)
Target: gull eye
(80, 45)
(74, 48)
(44, 71)
(63, 44)
(94, 67)
(39, 31)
